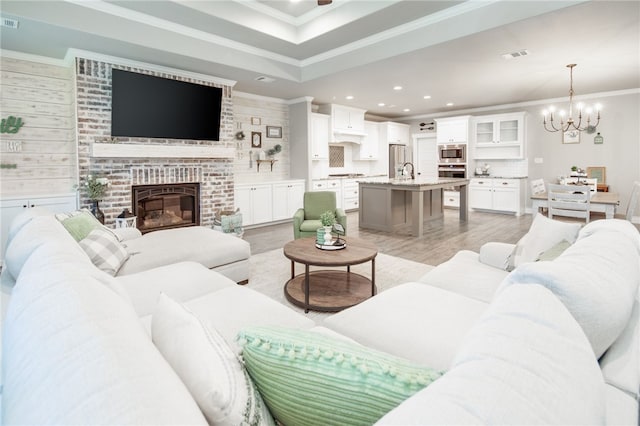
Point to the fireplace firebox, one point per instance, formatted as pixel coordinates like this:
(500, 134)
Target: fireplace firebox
(166, 206)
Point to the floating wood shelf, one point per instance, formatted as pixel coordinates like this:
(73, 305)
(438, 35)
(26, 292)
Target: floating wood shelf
(265, 161)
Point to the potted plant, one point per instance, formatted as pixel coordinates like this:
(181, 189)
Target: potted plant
(271, 152)
(96, 188)
(327, 219)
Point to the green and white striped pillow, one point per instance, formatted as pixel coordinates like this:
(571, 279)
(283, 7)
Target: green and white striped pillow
(307, 378)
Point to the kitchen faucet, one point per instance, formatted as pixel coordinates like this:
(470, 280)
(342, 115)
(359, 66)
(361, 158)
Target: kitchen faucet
(413, 176)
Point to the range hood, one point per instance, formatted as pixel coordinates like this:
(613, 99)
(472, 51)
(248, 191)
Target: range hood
(343, 137)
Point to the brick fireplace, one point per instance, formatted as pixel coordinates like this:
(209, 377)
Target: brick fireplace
(130, 163)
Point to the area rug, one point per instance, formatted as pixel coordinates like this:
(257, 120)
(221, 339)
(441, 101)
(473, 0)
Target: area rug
(271, 270)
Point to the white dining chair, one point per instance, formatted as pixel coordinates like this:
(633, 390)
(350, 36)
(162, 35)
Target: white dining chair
(633, 201)
(537, 186)
(568, 201)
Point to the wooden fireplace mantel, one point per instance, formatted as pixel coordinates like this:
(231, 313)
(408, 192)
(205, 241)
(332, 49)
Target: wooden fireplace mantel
(123, 150)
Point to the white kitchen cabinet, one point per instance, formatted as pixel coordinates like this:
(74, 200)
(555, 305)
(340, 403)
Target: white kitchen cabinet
(255, 202)
(288, 197)
(497, 194)
(395, 133)
(319, 136)
(499, 136)
(12, 207)
(344, 119)
(452, 129)
(334, 185)
(451, 199)
(350, 194)
(369, 148)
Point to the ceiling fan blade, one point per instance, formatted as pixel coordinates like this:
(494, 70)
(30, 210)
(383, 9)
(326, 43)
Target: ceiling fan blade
(324, 2)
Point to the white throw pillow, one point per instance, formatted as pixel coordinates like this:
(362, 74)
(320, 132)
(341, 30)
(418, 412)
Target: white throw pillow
(596, 279)
(104, 250)
(543, 234)
(526, 361)
(213, 374)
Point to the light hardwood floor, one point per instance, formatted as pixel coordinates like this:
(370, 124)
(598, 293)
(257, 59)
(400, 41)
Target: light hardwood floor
(442, 237)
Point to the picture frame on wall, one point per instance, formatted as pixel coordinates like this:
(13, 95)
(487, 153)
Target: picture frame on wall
(256, 140)
(599, 173)
(274, 132)
(256, 121)
(571, 136)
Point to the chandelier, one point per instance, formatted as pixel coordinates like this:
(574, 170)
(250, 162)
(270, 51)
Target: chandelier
(570, 123)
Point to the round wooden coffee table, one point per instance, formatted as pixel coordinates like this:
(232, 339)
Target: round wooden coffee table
(329, 290)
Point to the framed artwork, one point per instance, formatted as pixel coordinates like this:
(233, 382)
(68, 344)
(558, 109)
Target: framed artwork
(599, 173)
(274, 131)
(256, 140)
(571, 136)
(256, 121)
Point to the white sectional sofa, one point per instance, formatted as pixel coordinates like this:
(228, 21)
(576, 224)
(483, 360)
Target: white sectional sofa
(552, 342)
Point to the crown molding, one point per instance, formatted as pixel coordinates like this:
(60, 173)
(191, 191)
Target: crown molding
(33, 58)
(163, 24)
(521, 104)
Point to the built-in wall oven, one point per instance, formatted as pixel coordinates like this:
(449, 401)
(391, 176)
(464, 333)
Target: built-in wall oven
(452, 154)
(452, 163)
(452, 170)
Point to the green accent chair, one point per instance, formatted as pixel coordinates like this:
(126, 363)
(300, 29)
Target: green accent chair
(306, 220)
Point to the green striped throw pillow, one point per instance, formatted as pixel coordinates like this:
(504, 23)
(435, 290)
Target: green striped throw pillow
(308, 378)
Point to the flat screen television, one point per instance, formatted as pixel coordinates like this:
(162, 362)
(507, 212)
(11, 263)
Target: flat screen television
(154, 107)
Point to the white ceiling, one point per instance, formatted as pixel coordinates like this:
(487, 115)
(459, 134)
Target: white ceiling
(449, 50)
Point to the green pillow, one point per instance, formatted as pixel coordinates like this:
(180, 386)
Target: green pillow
(81, 224)
(307, 378)
(554, 251)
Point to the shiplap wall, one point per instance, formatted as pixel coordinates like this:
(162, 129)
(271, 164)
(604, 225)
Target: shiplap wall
(42, 94)
(271, 112)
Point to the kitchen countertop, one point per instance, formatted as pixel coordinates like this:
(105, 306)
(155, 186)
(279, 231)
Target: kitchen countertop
(348, 176)
(498, 177)
(419, 182)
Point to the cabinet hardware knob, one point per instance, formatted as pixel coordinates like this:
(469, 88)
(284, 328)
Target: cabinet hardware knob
(24, 206)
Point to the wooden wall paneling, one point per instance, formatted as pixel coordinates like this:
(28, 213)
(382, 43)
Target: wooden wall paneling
(34, 68)
(42, 95)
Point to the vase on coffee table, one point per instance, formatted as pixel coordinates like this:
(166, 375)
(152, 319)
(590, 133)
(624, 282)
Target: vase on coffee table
(327, 235)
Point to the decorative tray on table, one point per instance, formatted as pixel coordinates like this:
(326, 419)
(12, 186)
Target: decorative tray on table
(335, 245)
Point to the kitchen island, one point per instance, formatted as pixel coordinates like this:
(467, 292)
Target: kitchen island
(394, 204)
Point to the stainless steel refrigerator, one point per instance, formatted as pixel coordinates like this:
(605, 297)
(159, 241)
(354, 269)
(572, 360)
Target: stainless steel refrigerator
(398, 155)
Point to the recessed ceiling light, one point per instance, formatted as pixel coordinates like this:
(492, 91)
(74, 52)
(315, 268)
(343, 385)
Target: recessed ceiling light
(381, 104)
(392, 106)
(406, 110)
(449, 103)
(426, 97)
(397, 87)
(349, 97)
